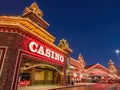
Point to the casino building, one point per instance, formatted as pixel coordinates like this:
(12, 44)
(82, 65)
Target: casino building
(28, 52)
(28, 55)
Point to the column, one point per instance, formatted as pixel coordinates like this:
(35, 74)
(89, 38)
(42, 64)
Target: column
(32, 78)
(46, 76)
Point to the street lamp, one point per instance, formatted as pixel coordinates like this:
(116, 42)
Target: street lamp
(118, 52)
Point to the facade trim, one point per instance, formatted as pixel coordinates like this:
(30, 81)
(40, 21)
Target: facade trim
(3, 50)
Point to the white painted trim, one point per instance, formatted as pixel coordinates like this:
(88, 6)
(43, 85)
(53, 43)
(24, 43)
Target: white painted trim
(15, 69)
(3, 58)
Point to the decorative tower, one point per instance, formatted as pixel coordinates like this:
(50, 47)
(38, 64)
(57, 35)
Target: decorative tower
(112, 68)
(81, 60)
(65, 46)
(34, 13)
(82, 66)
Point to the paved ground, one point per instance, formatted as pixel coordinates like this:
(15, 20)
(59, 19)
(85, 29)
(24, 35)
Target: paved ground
(39, 87)
(84, 86)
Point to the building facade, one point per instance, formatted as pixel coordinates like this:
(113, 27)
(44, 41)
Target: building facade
(80, 72)
(28, 52)
(28, 55)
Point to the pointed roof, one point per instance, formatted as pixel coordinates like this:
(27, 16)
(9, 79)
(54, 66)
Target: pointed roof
(34, 9)
(35, 14)
(97, 66)
(80, 56)
(111, 62)
(112, 67)
(64, 45)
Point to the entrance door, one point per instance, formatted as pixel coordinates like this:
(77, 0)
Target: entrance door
(38, 73)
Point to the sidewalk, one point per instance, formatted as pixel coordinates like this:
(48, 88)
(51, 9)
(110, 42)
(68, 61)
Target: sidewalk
(75, 85)
(50, 87)
(38, 87)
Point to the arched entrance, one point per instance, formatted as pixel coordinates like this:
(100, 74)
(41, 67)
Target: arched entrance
(36, 72)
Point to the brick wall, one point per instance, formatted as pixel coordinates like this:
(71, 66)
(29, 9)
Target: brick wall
(12, 42)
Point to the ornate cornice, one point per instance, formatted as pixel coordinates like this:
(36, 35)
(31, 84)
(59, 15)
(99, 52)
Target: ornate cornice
(26, 23)
(29, 27)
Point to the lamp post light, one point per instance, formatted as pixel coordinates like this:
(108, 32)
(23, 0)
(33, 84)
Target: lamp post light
(118, 55)
(118, 69)
(118, 52)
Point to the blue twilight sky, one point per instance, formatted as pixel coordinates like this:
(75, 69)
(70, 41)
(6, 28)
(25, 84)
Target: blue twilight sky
(91, 27)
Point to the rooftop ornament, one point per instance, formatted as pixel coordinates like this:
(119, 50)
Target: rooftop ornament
(64, 45)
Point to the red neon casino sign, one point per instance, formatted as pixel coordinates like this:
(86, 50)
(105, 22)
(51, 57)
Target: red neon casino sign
(39, 49)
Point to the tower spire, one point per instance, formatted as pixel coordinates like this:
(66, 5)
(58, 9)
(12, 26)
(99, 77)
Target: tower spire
(81, 60)
(112, 68)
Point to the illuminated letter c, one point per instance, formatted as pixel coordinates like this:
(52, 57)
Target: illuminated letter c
(33, 46)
